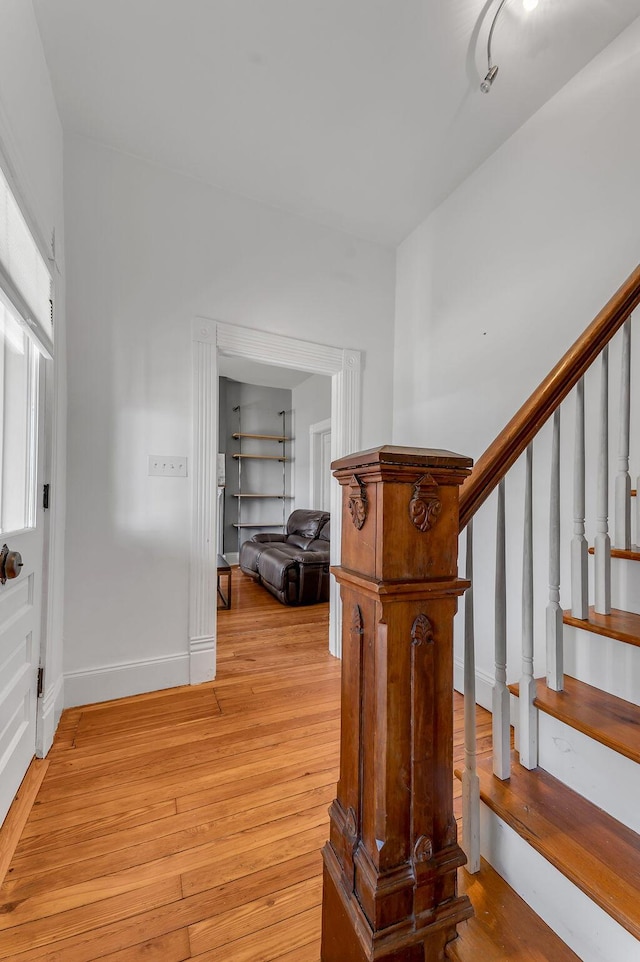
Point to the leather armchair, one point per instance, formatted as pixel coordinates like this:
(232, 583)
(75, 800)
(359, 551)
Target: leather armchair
(294, 566)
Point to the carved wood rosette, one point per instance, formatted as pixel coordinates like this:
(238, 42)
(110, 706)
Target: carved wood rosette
(391, 861)
(357, 502)
(424, 506)
(421, 631)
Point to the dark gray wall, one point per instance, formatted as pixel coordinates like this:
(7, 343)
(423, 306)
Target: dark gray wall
(259, 407)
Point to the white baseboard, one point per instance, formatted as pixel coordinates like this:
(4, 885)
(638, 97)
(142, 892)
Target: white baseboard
(128, 678)
(202, 659)
(50, 707)
(586, 928)
(484, 684)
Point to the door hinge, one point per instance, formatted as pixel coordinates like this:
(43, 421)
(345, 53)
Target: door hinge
(40, 681)
(45, 497)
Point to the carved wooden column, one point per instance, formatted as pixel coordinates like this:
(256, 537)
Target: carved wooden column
(390, 865)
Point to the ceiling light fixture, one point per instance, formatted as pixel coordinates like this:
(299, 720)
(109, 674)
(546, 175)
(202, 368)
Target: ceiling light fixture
(492, 69)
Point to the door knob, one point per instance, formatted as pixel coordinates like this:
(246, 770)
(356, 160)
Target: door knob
(10, 564)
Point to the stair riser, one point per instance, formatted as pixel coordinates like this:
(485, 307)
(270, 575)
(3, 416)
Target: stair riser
(605, 663)
(625, 585)
(584, 926)
(609, 780)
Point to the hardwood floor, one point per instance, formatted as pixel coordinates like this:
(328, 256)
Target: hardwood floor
(188, 824)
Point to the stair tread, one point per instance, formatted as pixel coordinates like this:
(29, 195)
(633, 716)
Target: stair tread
(504, 928)
(621, 625)
(597, 853)
(610, 720)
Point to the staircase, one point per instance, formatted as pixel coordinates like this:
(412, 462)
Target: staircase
(559, 817)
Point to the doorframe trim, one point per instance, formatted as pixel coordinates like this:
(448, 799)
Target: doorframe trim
(344, 366)
(315, 432)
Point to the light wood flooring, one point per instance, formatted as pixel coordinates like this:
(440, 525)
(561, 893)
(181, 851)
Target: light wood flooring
(188, 824)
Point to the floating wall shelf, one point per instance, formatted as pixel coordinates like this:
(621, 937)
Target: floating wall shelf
(261, 443)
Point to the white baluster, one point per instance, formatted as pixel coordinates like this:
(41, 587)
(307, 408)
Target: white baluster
(470, 781)
(579, 548)
(555, 670)
(528, 734)
(623, 478)
(501, 727)
(602, 542)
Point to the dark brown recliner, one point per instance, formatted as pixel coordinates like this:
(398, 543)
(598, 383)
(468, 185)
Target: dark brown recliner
(294, 566)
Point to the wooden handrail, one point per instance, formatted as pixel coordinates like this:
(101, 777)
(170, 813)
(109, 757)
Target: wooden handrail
(523, 427)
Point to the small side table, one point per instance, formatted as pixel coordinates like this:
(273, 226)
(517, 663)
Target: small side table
(224, 571)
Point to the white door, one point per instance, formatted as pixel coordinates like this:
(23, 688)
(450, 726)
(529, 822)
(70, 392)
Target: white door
(21, 373)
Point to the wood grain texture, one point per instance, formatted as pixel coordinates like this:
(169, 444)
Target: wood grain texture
(215, 854)
(14, 823)
(503, 927)
(594, 851)
(525, 424)
(622, 625)
(392, 827)
(609, 720)
(628, 554)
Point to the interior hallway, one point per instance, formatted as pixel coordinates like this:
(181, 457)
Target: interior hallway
(188, 824)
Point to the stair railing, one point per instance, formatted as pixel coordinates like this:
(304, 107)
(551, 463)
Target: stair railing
(488, 474)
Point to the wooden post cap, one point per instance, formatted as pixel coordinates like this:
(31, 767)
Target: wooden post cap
(393, 456)
(400, 512)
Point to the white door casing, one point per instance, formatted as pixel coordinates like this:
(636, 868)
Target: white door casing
(325, 471)
(209, 338)
(320, 465)
(50, 701)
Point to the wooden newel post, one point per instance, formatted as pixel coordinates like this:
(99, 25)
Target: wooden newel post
(391, 862)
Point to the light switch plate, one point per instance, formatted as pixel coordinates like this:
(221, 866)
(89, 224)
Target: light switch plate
(167, 466)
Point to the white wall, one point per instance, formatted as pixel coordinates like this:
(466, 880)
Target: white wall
(497, 283)
(32, 153)
(148, 250)
(311, 403)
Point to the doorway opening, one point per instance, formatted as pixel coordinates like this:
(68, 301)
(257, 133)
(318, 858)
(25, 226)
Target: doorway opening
(261, 461)
(211, 340)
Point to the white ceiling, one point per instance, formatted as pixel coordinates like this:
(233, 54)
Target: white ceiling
(359, 114)
(253, 372)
